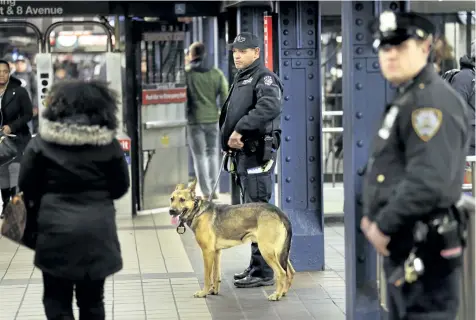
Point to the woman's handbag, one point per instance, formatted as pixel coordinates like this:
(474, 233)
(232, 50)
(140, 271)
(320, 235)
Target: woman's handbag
(18, 225)
(8, 148)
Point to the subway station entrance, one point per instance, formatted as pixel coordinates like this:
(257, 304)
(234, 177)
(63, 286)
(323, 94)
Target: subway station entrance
(139, 49)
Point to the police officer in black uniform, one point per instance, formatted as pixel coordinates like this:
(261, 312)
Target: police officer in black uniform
(250, 132)
(415, 170)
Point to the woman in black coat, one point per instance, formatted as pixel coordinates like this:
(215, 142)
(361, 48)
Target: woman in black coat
(73, 170)
(16, 111)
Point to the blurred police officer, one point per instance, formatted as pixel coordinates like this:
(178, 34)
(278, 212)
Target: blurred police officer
(416, 165)
(250, 131)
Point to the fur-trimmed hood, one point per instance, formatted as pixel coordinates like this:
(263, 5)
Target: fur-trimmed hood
(80, 113)
(75, 133)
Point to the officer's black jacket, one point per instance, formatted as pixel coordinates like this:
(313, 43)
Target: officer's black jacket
(417, 159)
(253, 106)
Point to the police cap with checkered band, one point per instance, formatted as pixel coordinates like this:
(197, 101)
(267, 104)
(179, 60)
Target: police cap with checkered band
(393, 28)
(244, 40)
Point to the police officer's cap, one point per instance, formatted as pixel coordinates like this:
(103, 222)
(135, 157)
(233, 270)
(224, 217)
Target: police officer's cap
(244, 40)
(8, 57)
(393, 28)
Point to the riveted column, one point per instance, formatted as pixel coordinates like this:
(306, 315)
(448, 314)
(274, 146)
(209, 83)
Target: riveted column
(365, 94)
(300, 165)
(223, 58)
(251, 20)
(210, 40)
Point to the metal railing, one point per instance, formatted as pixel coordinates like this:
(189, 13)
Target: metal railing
(468, 280)
(329, 144)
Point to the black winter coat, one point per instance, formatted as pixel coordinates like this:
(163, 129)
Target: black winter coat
(463, 83)
(254, 104)
(16, 112)
(417, 159)
(75, 172)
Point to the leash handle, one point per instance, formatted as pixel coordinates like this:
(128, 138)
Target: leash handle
(225, 156)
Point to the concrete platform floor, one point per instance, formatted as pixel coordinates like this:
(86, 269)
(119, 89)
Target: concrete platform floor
(161, 272)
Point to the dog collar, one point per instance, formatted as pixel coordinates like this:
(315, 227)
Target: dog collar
(181, 227)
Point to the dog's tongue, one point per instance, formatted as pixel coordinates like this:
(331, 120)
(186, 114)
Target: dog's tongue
(174, 220)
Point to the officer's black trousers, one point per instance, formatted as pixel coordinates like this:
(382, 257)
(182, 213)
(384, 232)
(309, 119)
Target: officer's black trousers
(58, 298)
(435, 296)
(255, 188)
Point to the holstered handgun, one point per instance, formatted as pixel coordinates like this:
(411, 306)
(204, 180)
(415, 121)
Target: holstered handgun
(268, 148)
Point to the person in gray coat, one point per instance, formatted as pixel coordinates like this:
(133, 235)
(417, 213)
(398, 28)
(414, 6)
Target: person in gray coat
(464, 83)
(72, 171)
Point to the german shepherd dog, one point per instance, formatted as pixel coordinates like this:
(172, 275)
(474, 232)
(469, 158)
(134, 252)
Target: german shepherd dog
(218, 227)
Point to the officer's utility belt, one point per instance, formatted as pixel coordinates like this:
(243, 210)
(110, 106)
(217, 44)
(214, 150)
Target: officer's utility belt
(264, 147)
(444, 236)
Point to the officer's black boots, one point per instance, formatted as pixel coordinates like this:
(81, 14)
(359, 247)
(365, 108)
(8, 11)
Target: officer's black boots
(249, 279)
(242, 275)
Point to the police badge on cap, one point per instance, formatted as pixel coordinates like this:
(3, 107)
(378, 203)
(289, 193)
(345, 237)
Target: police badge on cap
(244, 40)
(393, 28)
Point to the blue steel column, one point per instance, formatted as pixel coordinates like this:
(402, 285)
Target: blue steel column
(365, 94)
(212, 42)
(251, 20)
(188, 41)
(301, 166)
(223, 58)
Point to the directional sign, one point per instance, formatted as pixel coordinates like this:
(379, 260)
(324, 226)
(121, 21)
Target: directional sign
(180, 8)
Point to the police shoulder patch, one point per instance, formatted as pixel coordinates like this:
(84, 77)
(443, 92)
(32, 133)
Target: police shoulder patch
(426, 122)
(268, 80)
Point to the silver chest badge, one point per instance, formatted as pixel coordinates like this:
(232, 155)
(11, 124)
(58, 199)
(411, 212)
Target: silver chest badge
(388, 122)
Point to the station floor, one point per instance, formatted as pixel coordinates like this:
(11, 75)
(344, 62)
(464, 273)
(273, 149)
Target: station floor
(162, 270)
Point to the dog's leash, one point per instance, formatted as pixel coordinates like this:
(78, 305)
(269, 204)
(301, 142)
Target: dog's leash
(222, 166)
(181, 227)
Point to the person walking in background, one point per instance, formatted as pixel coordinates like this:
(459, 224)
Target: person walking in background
(24, 72)
(204, 85)
(16, 111)
(444, 59)
(72, 171)
(463, 81)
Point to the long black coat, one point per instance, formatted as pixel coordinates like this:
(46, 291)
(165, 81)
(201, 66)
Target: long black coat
(75, 172)
(16, 112)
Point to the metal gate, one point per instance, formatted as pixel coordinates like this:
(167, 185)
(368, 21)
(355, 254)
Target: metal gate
(113, 77)
(155, 55)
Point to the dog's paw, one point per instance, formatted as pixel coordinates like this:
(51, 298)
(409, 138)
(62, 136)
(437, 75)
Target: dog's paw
(200, 294)
(213, 291)
(275, 297)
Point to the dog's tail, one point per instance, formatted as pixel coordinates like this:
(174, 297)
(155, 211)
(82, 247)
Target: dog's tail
(284, 256)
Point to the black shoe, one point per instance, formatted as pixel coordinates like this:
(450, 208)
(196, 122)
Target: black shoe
(253, 282)
(244, 274)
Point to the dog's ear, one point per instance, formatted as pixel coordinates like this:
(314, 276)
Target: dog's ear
(193, 185)
(180, 186)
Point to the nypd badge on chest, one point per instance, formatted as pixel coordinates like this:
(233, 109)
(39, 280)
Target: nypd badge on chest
(268, 80)
(426, 122)
(248, 81)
